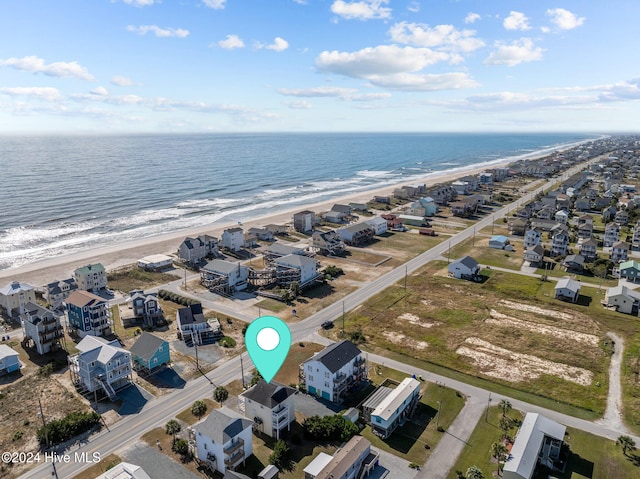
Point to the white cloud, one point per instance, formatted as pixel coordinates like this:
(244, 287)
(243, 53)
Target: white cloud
(101, 91)
(317, 92)
(140, 3)
(472, 17)
(519, 51)
(362, 10)
(301, 2)
(278, 45)
(159, 32)
(370, 97)
(380, 60)
(444, 36)
(414, 7)
(299, 105)
(57, 69)
(516, 21)
(41, 93)
(215, 4)
(424, 82)
(564, 19)
(545, 29)
(231, 42)
(121, 81)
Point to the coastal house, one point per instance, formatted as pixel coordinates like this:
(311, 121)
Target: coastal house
(361, 207)
(532, 237)
(401, 193)
(621, 217)
(387, 408)
(589, 249)
(262, 234)
(281, 229)
(619, 251)
(611, 234)
(224, 277)
(100, 365)
(630, 270)
(124, 470)
(517, 226)
(193, 250)
(232, 239)
(585, 219)
(585, 230)
(328, 243)
(353, 460)
(609, 213)
(333, 372)
(624, 299)
(534, 255)
(155, 262)
(9, 360)
(545, 213)
(378, 224)
(567, 290)
(561, 217)
(635, 241)
(194, 328)
(559, 240)
(296, 268)
(223, 440)
(270, 405)
(582, 204)
(382, 199)
(393, 222)
(57, 291)
(464, 207)
(15, 296)
(145, 307)
(92, 277)
(498, 242)
(277, 250)
(461, 187)
(149, 353)
(464, 268)
(538, 442)
(412, 220)
(345, 210)
(304, 221)
(423, 207)
(485, 178)
(88, 314)
(574, 262)
(358, 234)
(335, 217)
(41, 328)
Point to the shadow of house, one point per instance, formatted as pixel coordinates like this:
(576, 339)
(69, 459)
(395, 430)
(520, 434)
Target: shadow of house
(133, 400)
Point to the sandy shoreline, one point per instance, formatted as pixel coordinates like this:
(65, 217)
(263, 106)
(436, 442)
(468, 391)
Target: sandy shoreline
(113, 256)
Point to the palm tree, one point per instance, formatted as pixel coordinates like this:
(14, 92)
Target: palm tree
(199, 409)
(220, 394)
(627, 443)
(506, 423)
(505, 406)
(499, 451)
(173, 427)
(474, 472)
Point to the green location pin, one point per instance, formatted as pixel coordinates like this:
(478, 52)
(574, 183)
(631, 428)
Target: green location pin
(268, 340)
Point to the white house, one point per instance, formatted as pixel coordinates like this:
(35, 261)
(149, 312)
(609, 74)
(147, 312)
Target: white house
(498, 242)
(100, 365)
(9, 361)
(41, 328)
(124, 470)
(567, 290)
(461, 187)
(306, 266)
(270, 405)
(378, 224)
(423, 207)
(624, 299)
(532, 237)
(589, 249)
(611, 234)
(232, 239)
(223, 440)
(57, 291)
(561, 217)
(91, 277)
(466, 267)
(535, 254)
(559, 240)
(388, 408)
(539, 440)
(619, 251)
(15, 295)
(304, 221)
(332, 372)
(155, 262)
(224, 276)
(353, 460)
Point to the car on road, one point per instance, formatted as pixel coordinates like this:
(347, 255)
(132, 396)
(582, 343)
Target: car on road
(327, 325)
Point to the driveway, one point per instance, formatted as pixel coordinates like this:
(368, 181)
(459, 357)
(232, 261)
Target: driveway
(134, 399)
(155, 463)
(392, 466)
(309, 406)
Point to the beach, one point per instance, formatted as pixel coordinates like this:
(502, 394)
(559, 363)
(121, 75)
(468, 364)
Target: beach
(42, 272)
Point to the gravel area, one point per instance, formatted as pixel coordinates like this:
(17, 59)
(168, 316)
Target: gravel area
(155, 463)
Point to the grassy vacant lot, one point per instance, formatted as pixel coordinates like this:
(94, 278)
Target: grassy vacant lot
(591, 457)
(404, 245)
(558, 271)
(481, 252)
(126, 280)
(106, 463)
(508, 331)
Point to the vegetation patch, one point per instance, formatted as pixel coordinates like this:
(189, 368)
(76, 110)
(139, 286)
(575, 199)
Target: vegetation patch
(70, 426)
(128, 279)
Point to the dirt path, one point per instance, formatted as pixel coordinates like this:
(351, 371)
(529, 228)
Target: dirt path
(613, 413)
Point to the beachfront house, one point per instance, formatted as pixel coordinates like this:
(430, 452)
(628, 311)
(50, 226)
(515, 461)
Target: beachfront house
(57, 291)
(223, 440)
(461, 187)
(155, 262)
(9, 360)
(41, 329)
(567, 290)
(192, 250)
(263, 234)
(124, 470)
(464, 268)
(304, 221)
(333, 372)
(378, 224)
(145, 307)
(100, 365)
(149, 353)
(538, 442)
(387, 408)
(270, 405)
(193, 327)
(14, 297)
(358, 234)
(224, 277)
(353, 460)
(232, 239)
(92, 277)
(88, 314)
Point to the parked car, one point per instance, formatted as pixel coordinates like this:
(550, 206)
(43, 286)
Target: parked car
(327, 325)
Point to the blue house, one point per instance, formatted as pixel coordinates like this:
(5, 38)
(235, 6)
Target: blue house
(150, 352)
(9, 361)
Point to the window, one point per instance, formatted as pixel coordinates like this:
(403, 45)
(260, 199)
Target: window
(326, 384)
(205, 446)
(326, 375)
(310, 378)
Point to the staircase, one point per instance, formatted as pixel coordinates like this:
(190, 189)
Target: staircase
(107, 388)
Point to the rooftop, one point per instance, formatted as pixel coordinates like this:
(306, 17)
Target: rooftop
(337, 355)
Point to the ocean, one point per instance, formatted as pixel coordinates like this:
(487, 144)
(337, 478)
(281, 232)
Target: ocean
(63, 194)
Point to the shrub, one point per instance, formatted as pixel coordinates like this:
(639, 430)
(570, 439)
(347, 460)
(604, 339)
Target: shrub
(181, 446)
(198, 409)
(16, 436)
(227, 342)
(357, 337)
(281, 456)
(329, 428)
(73, 424)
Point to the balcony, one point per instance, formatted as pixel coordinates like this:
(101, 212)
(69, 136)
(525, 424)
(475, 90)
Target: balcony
(279, 415)
(234, 446)
(48, 320)
(234, 459)
(57, 331)
(340, 383)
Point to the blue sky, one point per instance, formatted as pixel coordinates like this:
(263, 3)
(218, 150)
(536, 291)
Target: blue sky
(109, 66)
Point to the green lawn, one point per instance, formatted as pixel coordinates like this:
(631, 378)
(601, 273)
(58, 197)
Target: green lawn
(479, 250)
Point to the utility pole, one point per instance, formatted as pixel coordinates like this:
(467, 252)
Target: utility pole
(195, 344)
(438, 414)
(242, 371)
(473, 242)
(486, 418)
(185, 279)
(406, 272)
(342, 332)
(449, 253)
(46, 436)
(493, 223)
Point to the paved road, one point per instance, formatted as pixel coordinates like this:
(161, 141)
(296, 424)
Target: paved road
(157, 412)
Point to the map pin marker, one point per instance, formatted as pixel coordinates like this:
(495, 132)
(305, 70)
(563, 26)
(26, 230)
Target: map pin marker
(268, 340)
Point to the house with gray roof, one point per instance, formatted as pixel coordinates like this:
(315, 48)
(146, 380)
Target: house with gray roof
(223, 440)
(304, 221)
(294, 267)
(387, 408)
(271, 405)
(41, 328)
(334, 371)
(328, 243)
(567, 290)
(277, 250)
(224, 277)
(149, 353)
(233, 239)
(624, 299)
(353, 460)
(357, 235)
(193, 327)
(464, 268)
(145, 307)
(57, 291)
